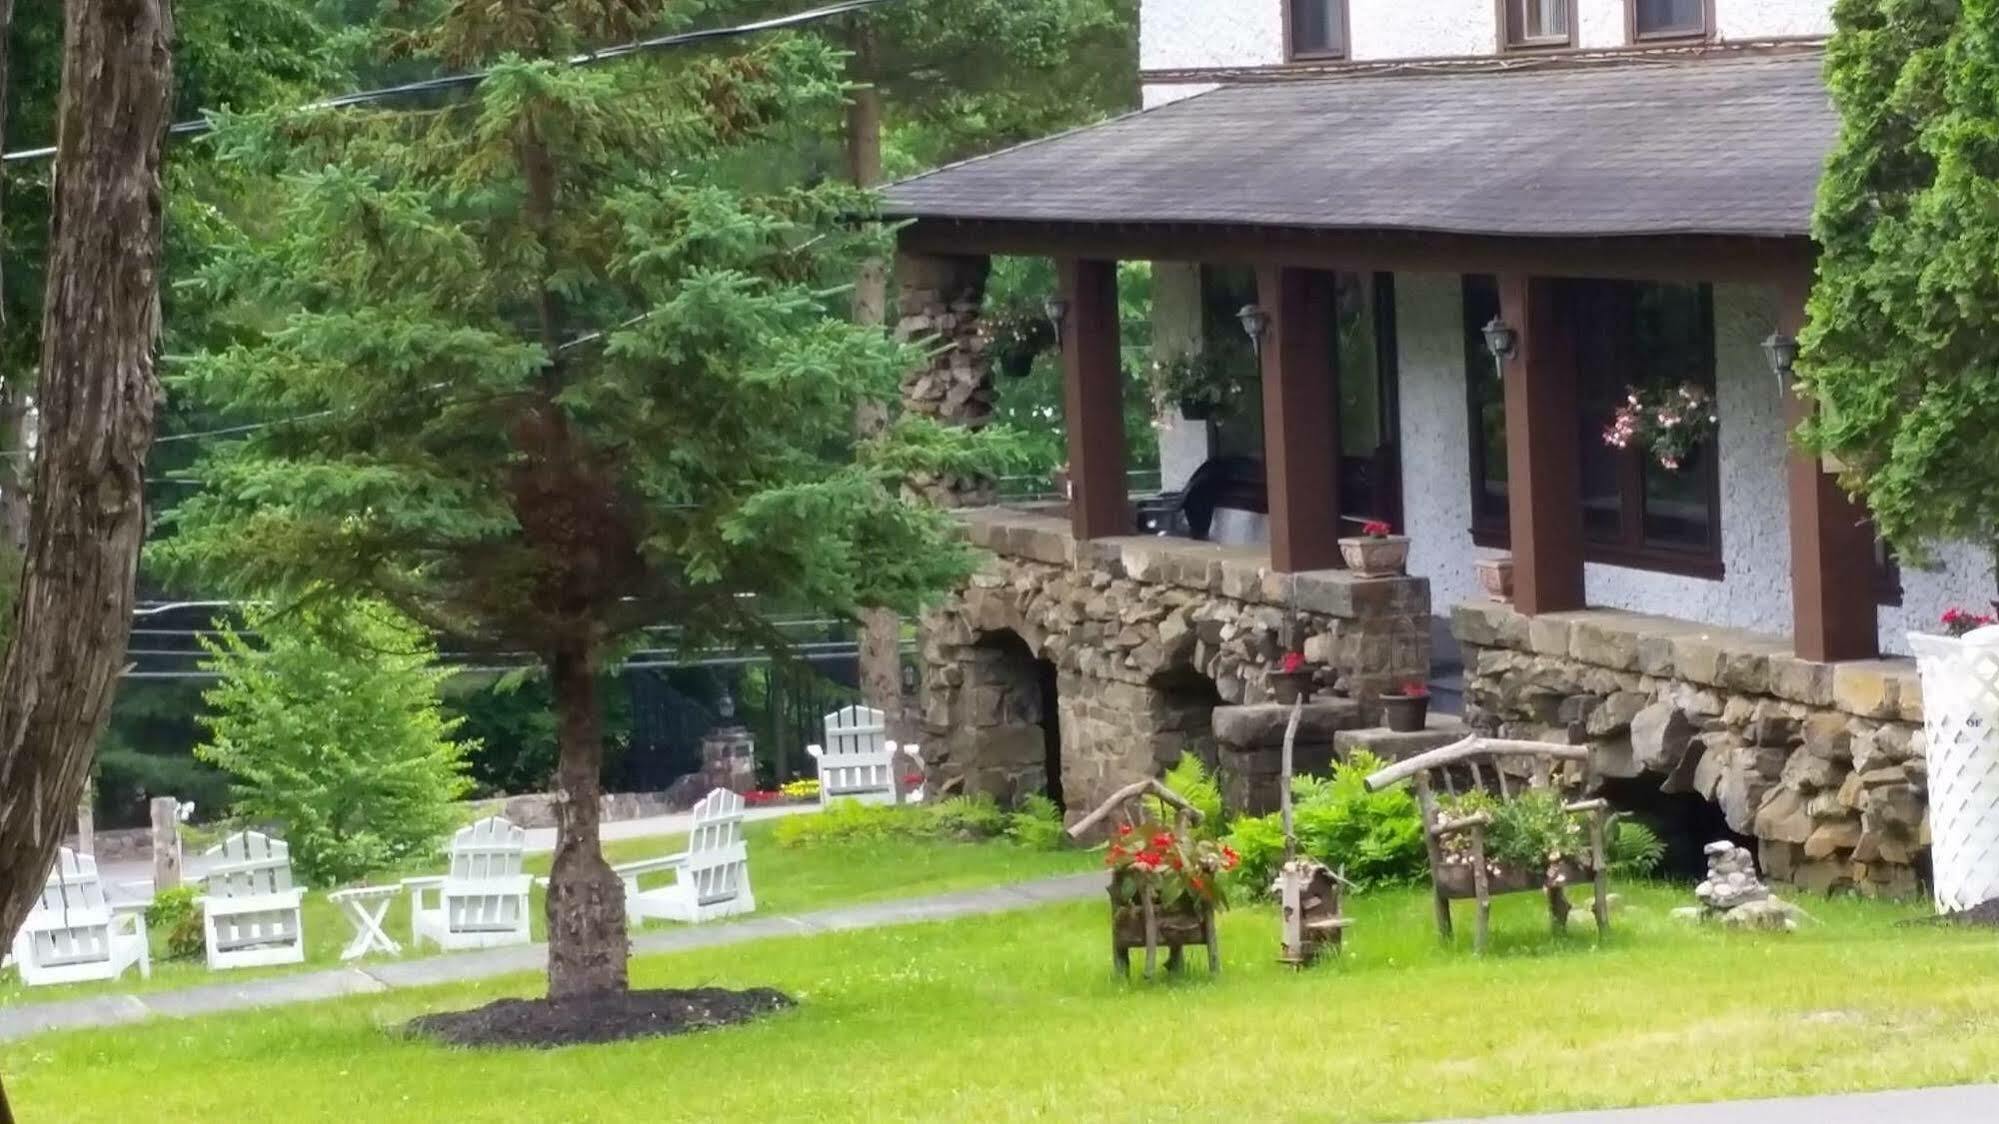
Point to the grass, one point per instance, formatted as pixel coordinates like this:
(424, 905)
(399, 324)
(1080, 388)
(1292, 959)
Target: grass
(1016, 1019)
(786, 880)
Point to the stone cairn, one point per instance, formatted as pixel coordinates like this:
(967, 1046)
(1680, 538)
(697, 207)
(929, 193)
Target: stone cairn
(1733, 895)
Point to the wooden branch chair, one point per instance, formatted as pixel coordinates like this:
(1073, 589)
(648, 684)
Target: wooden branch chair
(72, 934)
(1146, 926)
(1502, 767)
(858, 761)
(251, 913)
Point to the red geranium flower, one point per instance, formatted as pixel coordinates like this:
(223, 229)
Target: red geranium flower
(1294, 661)
(1375, 528)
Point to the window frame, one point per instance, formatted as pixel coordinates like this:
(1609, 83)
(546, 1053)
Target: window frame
(1629, 551)
(1635, 36)
(1508, 43)
(1292, 53)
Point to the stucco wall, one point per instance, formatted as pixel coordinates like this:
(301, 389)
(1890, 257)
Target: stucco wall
(1185, 34)
(1152, 95)
(1756, 552)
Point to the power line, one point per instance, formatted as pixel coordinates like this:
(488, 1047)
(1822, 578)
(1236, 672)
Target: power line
(457, 81)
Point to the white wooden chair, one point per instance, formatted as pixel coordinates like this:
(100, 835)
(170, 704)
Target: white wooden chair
(483, 900)
(858, 761)
(251, 913)
(710, 879)
(73, 934)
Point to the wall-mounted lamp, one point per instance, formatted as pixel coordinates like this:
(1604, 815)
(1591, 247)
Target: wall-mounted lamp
(1782, 352)
(1502, 341)
(1057, 311)
(1255, 322)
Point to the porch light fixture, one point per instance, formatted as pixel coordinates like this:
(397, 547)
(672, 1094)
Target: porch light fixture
(1057, 311)
(1255, 322)
(1782, 352)
(1502, 341)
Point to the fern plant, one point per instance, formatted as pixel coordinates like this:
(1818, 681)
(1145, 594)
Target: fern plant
(1190, 780)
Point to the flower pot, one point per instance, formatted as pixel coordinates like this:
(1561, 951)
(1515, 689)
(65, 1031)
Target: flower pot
(1197, 409)
(1380, 556)
(1292, 686)
(1405, 714)
(1495, 577)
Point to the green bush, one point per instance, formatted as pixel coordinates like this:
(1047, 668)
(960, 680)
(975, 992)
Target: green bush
(1376, 838)
(128, 778)
(968, 817)
(176, 918)
(331, 729)
(1190, 780)
(850, 821)
(1635, 850)
(1037, 823)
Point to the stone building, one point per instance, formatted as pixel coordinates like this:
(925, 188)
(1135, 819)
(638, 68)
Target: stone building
(1469, 229)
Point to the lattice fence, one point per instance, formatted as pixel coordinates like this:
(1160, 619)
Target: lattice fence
(1961, 723)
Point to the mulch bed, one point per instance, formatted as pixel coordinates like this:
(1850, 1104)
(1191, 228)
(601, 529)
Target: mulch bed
(591, 1019)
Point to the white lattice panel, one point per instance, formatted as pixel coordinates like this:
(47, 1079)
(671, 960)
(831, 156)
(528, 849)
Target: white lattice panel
(1961, 724)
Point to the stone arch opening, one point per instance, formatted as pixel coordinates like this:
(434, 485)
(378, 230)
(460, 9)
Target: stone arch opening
(1185, 700)
(1686, 822)
(1014, 719)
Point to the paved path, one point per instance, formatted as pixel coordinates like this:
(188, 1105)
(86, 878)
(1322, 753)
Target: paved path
(108, 1010)
(134, 880)
(1961, 1104)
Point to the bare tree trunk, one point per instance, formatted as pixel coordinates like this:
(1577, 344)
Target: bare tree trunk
(587, 945)
(13, 385)
(100, 322)
(881, 629)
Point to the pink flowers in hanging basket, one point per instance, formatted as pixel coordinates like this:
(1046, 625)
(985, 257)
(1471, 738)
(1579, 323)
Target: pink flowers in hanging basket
(1669, 422)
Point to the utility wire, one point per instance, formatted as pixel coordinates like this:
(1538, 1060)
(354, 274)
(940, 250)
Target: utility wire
(459, 81)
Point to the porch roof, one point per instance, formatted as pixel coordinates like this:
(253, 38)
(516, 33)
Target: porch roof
(1701, 147)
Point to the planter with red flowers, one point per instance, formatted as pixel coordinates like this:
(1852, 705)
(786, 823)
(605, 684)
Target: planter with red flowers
(1406, 709)
(1294, 680)
(1377, 552)
(1165, 882)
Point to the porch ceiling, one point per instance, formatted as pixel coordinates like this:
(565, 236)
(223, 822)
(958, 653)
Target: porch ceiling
(1709, 147)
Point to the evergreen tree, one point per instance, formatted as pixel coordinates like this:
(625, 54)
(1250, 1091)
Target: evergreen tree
(552, 378)
(1902, 352)
(330, 726)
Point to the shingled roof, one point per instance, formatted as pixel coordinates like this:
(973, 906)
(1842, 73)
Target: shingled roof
(1694, 147)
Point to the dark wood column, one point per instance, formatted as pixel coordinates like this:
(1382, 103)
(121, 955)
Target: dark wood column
(1093, 399)
(1543, 457)
(1301, 430)
(1832, 540)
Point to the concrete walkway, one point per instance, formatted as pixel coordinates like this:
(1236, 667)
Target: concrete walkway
(366, 977)
(1959, 1104)
(133, 881)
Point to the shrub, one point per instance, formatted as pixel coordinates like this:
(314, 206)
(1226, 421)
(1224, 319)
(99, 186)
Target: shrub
(1190, 780)
(1376, 838)
(175, 916)
(850, 821)
(331, 729)
(972, 817)
(1037, 823)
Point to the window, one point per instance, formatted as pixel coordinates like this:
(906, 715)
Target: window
(1539, 23)
(1635, 512)
(1668, 19)
(1316, 29)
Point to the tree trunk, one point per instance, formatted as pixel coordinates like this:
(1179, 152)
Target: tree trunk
(587, 946)
(881, 629)
(100, 322)
(14, 386)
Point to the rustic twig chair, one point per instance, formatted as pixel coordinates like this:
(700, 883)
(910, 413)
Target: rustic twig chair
(1502, 766)
(1147, 924)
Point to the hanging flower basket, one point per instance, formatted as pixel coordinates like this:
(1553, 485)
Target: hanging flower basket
(1203, 385)
(1672, 424)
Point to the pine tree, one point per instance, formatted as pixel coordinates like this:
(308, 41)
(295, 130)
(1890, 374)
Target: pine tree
(553, 376)
(1902, 352)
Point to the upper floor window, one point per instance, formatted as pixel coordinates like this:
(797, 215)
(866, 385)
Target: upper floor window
(1669, 19)
(1316, 29)
(1540, 23)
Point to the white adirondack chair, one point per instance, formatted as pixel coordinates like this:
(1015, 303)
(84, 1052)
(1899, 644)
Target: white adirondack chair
(858, 761)
(483, 901)
(250, 912)
(710, 879)
(73, 934)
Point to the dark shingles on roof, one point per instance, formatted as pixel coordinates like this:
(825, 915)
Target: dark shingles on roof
(1699, 147)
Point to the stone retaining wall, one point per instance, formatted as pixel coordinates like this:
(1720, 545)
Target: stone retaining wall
(1822, 764)
(1146, 636)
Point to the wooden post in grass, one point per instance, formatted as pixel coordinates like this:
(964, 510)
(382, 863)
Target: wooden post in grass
(166, 843)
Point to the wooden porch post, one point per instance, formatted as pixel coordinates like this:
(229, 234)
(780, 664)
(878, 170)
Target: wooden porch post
(1301, 432)
(1093, 399)
(1543, 457)
(1832, 542)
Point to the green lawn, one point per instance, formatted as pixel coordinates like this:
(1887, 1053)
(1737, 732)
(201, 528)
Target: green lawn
(786, 880)
(1014, 1018)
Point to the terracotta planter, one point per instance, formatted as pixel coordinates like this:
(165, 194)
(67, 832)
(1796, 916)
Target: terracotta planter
(1371, 557)
(1292, 686)
(1405, 714)
(1495, 577)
